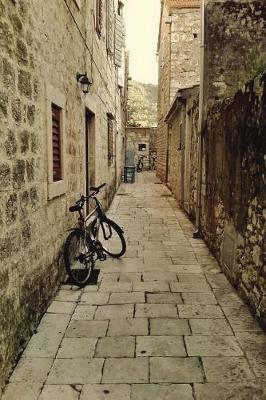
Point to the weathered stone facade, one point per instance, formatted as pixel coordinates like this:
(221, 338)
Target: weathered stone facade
(141, 142)
(232, 183)
(178, 50)
(234, 143)
(41, 51)
(182, 121)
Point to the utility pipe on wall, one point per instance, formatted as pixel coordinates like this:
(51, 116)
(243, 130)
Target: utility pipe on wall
(197, 233)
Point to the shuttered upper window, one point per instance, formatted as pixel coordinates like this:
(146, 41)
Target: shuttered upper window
(56, 142)
(56, 133)
(110, 26)
(99, 16)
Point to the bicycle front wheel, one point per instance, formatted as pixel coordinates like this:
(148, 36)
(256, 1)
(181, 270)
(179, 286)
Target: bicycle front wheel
(111, 237)
(78, 258)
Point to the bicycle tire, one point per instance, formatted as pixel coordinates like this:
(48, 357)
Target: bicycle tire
(79, 276)
(115, 251)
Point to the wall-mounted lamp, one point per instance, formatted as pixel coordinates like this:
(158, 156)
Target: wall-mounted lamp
(84, 82)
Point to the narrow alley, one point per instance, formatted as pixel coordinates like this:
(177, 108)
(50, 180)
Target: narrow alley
(163, 322)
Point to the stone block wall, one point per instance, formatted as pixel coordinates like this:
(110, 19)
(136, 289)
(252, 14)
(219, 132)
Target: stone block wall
(178, 49)
(183, 149)
(41, 47)
(234, 208)
(185, 49)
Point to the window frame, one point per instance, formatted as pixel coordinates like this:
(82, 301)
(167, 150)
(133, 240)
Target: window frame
(55, 188)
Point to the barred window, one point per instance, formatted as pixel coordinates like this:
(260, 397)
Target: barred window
(56, 140)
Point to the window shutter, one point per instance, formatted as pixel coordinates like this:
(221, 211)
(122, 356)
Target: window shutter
(119, 40)
(56, 137)
(99, 16)
(110, 140)
(110, 27)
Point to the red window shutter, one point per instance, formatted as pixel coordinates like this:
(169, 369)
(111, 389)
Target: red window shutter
(99, 16)
(56, 138)
(110, 140)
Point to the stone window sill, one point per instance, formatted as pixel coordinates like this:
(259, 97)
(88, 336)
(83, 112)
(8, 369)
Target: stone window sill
(56, 189)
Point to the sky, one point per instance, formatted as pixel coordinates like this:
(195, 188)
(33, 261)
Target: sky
(142, 26)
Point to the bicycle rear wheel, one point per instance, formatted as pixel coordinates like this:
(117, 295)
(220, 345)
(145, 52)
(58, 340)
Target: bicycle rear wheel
(111, 237)
(78, 258)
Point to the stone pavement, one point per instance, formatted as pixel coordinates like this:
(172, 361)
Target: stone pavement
(163, 323)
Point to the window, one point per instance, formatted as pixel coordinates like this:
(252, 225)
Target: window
(142, 147)
(120, 8)
(119, 40)
(110, 139)
(57, 184)
(56, 142)
(110, 27)
(99, 16)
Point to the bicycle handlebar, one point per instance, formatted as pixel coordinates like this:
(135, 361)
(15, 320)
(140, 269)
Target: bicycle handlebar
(81, 201)
(97, 189)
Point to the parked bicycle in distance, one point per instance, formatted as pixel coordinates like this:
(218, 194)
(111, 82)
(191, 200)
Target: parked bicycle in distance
(140, 164)
(87, 243)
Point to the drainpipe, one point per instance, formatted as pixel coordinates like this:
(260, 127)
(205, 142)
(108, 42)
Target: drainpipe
(197, 233)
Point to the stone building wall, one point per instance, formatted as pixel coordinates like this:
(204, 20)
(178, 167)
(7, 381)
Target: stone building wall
(233, 208)
(178, 50)
(137, 136)
(41, 52)
(182, 121)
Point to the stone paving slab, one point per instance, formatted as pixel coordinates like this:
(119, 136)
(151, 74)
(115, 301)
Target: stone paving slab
(227, 369)
(175, 370)
(95, 298)
(128, 327)
(199, 298)
(22, 391)
(199, 311)
(172, 327)
(214, 391)
(105, 392)
(161, 392)
(195, 287)
(46, 341)
(162, 346)
(224, 346)
(59, 392)
(126, 370)
(156, 311)
(33, 370)
(108, 347)
(76, 371)
(210, 327)
(127, 298)
(164, 298)
(77, 348)
(87, 329)
(61, 307)
(162, 323)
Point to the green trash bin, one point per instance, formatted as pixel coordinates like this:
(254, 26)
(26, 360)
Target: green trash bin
(129, 174)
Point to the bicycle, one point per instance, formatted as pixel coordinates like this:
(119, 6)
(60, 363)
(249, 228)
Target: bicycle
(85, 244)
(140, 164)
